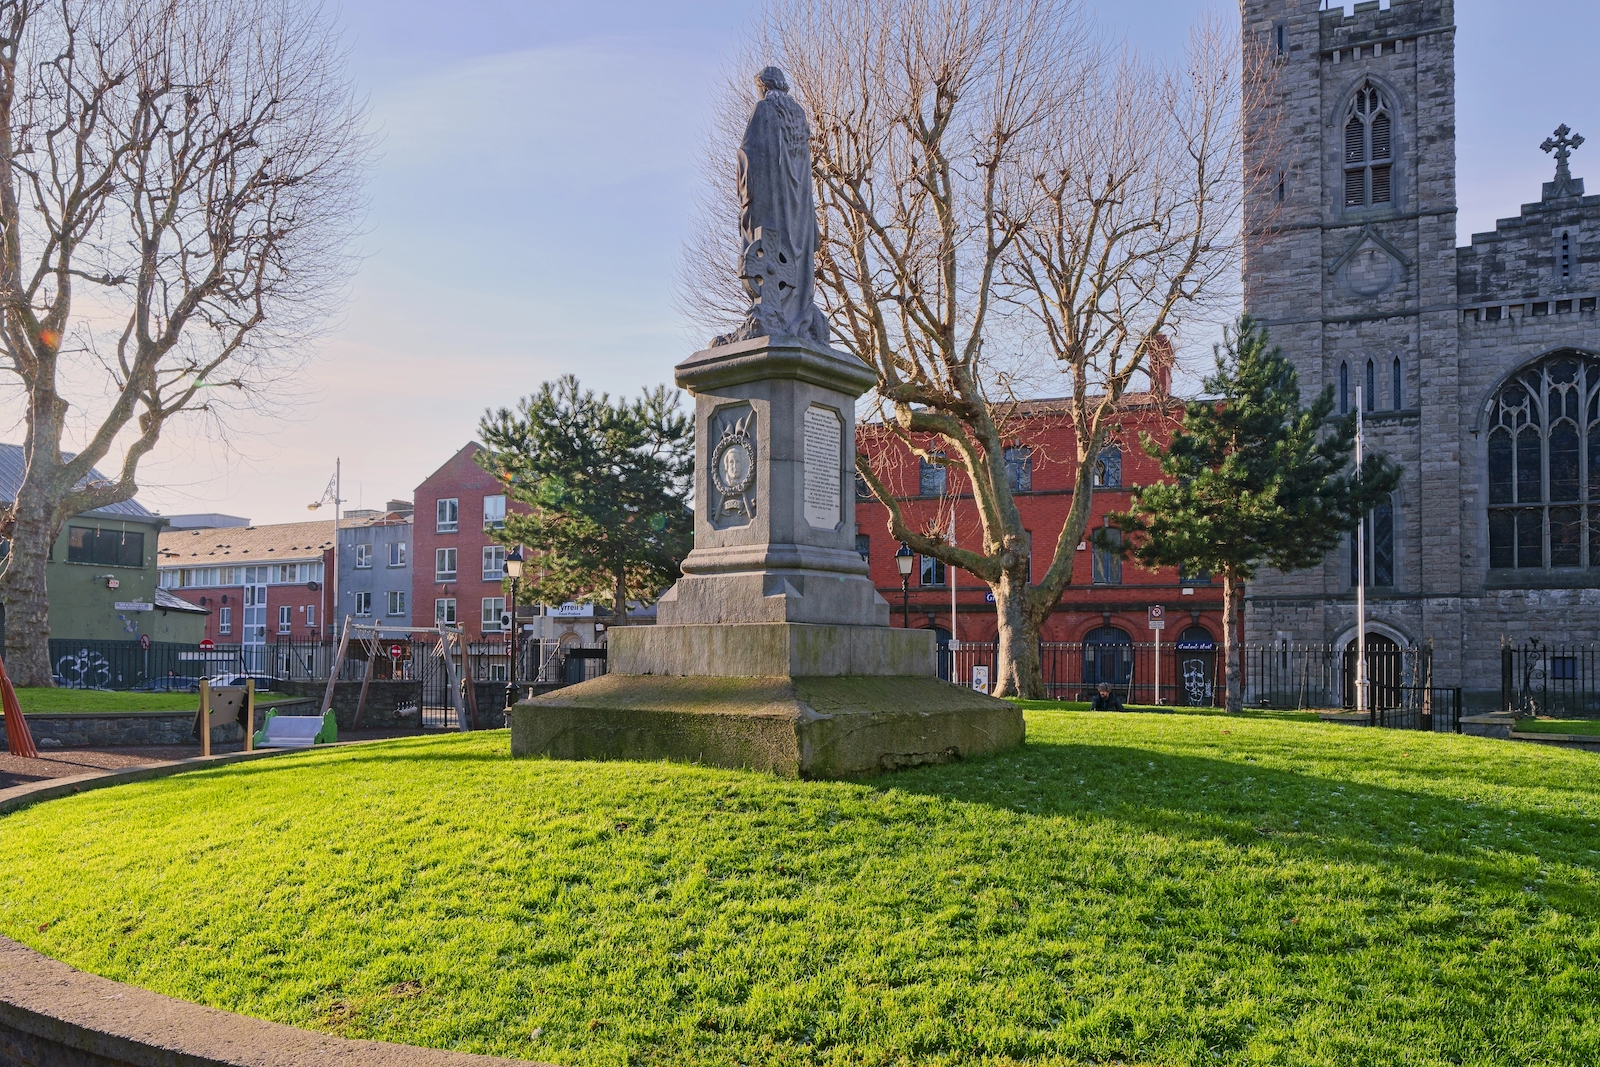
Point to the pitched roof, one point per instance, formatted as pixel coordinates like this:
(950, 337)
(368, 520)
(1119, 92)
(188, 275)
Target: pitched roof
(13, 467)
(164, 599)
(285, 542)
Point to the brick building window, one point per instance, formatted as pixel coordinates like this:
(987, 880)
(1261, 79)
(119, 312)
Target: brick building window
(311, 615)
(1108, 468)
(1108, 556)
(224, 620)
(284, 619)
(1544, 466)
(492, 607)
(930, 571)
(1019, 469)
(447, 516)
(930, 477)
(864, 546)
(494, 512)
(444, 611)
(494, 562)
(1368, 149)
(444, 564)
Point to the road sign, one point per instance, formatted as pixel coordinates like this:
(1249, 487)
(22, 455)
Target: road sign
(207, 645)
(394, 651)
(1158, 617)
(144, 642)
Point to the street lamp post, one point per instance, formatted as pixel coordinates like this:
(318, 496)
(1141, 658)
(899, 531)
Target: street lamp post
(902, 559)
(514, 572)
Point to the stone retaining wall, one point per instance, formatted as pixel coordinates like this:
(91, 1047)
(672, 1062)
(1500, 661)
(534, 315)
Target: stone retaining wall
(123, 728)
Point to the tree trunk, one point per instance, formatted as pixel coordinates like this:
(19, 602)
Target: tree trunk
(619, 598)
(1018, 673)
(1233, 654)
(27, 601)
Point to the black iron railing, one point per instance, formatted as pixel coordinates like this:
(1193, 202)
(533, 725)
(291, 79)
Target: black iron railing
(131, 665)
(1542, 679)
(1433, 708)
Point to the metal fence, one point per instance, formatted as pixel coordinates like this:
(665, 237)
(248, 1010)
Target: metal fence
(402, 659)
(1541, 679)
(130, 665)
(1432, 708)
(1190, 672)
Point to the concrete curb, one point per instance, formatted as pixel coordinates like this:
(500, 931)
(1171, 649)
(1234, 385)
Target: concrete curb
(52, 1014)
(1584, 742)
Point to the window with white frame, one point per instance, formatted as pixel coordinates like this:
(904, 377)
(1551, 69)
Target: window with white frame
(397, 602)
(492, 607)
(363, 557)
(311, 615)
(225, 620)
(448, 515)
(363, 603)
(494, 562)
(284, 619)
(397, 553)
(444, 611)
(444, 564)
(494, 511)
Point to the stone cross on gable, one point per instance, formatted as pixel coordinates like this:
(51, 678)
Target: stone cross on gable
(1562, 145)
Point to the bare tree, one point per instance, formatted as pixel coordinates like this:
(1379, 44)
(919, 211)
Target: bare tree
(180, 182)
(1006, 202)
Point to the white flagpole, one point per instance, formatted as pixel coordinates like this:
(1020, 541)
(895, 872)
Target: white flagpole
(1361, 575)
(954, 643)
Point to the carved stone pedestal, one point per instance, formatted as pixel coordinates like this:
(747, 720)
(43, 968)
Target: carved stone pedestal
(773, 651)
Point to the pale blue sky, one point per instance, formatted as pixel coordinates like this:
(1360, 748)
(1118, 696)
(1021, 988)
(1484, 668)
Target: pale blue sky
(537, 173)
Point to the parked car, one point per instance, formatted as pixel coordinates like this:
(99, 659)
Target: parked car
(264, 682)
(171, 684)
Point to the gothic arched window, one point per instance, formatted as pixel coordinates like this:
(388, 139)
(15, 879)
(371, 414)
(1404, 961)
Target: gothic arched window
(1544, 466)
(1372, 386)
(1344, 388)
(1394, 381)
(1379, 543)
(1368, 149)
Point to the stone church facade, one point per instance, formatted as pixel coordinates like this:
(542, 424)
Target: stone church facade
(1478, 366)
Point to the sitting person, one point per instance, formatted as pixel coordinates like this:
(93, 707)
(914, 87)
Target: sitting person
(1106, 700)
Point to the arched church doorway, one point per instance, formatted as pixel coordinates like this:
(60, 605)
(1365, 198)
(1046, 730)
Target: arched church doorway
(1384, 671)
(1108, 658)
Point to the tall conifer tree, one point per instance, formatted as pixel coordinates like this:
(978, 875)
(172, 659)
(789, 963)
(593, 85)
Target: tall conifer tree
(1256, 481)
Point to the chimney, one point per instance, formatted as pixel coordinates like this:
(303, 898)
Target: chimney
(1161, 359)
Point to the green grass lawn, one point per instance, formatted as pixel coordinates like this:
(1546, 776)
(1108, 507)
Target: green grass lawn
(1158, 889)
(1559, 726)
(42, 701)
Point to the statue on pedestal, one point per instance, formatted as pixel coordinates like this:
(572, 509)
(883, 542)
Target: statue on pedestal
(777, 219)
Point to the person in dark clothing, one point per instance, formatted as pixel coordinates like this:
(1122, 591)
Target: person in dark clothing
(1106, 700)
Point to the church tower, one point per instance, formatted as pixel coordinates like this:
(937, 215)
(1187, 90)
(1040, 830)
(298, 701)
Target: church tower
(1350, 263)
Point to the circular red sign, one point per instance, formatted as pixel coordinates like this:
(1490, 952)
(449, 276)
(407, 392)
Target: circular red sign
(144, 642)
(207, 645)
(394, 651)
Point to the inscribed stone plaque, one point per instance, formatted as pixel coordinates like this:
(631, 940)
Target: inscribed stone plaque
(824, 442)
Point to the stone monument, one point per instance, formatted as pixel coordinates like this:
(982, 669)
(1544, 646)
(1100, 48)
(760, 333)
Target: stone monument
(774, 650)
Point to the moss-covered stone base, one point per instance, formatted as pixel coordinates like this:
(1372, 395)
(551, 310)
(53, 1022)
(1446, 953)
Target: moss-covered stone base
(793, 727)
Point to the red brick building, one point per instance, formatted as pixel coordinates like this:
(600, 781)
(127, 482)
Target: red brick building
(1108, 600)
(261, 584)
(458, 568)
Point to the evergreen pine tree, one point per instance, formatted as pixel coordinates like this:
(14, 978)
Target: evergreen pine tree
(1256, 481)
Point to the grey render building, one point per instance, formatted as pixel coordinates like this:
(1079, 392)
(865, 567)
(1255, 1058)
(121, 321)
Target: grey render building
(1477, 364)
(375, 550)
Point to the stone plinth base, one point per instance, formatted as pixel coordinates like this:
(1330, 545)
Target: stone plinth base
(795, 727)
(765, 650)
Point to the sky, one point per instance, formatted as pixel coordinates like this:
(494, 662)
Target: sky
(537, 170)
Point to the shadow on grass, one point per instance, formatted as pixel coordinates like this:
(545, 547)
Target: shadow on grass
(1299, 816)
